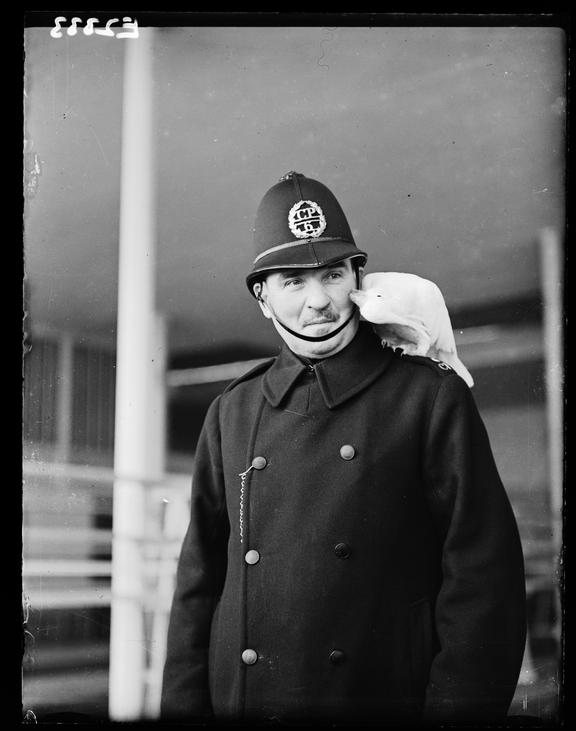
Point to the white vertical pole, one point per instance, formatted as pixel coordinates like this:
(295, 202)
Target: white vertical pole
(64, 396)
(552, 277)
(157, 424)
(552, 288)
(157, 638)
(134, 460)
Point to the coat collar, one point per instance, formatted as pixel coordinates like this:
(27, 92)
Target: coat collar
(340, 376)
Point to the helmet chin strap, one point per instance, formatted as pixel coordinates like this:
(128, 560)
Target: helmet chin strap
(319, 338)
(310, 338)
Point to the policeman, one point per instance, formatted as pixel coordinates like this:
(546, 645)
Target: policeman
(351, 553)
(294, 232)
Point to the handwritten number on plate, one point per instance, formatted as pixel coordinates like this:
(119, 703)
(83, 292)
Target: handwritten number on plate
(56, 31)
(89, 29)
(133, 33)
(108, 31)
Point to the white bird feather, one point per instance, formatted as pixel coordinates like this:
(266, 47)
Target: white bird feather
(409, 312)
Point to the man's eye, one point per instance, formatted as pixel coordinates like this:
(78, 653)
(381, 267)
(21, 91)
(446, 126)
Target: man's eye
(335, 275)
(292, 282)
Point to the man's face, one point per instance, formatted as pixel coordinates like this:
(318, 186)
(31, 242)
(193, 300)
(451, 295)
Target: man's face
(312, 302)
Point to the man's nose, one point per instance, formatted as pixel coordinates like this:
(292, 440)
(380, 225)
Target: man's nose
(317, 297)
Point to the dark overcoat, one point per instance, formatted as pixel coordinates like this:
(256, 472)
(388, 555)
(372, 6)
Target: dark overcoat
(351, 550)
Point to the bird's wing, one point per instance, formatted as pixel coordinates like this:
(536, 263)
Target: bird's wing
(443, 344)
(433, 303)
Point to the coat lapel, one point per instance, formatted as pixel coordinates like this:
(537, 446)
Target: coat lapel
(339, 377)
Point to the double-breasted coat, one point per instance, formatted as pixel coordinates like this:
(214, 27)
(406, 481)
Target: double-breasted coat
(351, 549)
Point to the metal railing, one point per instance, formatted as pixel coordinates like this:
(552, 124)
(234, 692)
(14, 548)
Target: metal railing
(74, 578)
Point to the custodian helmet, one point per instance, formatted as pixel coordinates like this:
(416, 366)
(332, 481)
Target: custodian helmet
(300, 224)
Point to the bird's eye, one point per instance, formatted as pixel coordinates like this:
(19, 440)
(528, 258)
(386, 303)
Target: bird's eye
(378, 295)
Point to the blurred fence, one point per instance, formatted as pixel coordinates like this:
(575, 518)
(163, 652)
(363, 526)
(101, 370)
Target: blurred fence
(67, 578)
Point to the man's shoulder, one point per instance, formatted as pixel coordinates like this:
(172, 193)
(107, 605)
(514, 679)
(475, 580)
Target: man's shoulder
(252, 375)
(423, 367)
(427, 367)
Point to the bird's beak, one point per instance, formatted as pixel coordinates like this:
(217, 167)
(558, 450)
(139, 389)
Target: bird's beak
(357, 296)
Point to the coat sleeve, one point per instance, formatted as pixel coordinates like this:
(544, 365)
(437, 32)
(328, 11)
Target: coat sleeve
(199, 581)
(480, 610)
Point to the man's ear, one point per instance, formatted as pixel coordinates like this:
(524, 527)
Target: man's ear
(258, 289)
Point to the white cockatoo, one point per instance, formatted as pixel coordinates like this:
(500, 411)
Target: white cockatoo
(409, 312)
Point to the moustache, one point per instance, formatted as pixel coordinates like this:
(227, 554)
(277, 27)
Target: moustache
(322, 320)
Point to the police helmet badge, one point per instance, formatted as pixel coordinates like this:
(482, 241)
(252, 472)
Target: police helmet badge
(306, 220)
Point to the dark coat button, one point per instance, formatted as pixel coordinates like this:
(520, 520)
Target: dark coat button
(337, 657)
(259, 463)
(342, 550)
(347, 451)
(249, 657)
